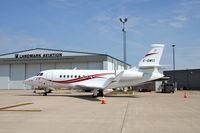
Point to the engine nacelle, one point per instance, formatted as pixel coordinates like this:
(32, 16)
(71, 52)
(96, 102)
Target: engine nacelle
(130, 75)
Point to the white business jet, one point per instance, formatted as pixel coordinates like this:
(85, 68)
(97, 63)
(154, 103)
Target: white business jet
(99, 80)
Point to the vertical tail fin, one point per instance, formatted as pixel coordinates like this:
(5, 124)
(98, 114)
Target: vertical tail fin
(152, 59)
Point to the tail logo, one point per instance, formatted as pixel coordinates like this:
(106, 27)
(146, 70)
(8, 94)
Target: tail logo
(150, 54)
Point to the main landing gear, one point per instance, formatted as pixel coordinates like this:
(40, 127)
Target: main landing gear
(97, 92)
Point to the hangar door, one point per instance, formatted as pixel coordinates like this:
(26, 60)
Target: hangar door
(95, 65)
(17, 76)
(32, 70)
(63, 65)
(4, 76)
(48, 66)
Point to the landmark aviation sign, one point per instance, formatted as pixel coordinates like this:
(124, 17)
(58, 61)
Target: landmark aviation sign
(37, 55)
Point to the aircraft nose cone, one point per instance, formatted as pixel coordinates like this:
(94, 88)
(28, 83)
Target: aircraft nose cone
(28, 81)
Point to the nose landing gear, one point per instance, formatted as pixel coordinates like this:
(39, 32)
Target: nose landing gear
(42, 91)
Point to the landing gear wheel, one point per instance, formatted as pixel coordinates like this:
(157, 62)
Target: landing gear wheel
(44, 94)
(101, 93)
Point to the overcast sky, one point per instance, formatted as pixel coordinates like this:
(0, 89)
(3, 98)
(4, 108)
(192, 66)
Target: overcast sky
(94, 26)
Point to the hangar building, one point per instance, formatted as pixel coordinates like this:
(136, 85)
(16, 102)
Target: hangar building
(185, 79)
(17, 66)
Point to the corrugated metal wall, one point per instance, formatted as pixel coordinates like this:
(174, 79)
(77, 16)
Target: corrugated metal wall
(185, 79)
(4, 76)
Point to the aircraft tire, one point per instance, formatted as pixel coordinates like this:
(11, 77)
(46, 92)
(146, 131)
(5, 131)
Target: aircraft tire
(101, 93)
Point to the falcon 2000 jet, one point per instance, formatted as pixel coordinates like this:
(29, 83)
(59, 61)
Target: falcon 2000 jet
(99, 80)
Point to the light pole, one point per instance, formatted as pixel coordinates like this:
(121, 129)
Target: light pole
(124, 39)
(173, 46)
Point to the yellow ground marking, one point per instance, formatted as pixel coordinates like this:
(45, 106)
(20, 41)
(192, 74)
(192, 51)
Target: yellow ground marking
(22, 110)
(17, 105)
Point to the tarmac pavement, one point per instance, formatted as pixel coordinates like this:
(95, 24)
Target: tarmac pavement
(65, 112)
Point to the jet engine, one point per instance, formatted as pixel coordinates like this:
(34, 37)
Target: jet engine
(130, 75)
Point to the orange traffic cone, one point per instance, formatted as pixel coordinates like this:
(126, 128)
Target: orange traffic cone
(185, 95)
(103, 101)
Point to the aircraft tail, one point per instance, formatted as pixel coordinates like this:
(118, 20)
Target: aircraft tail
(148, 70)
(152, 59)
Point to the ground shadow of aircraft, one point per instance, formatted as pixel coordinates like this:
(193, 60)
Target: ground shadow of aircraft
(83, 96)
(123, 96)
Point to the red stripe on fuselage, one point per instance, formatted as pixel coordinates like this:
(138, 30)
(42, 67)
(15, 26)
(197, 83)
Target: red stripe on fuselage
(81, 78)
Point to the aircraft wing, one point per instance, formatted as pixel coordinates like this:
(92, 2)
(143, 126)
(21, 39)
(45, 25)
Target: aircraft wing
(95, 85)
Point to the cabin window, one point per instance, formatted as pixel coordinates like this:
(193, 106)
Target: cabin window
(71, 76)
(60, 76)
(67, 76)
(75, 76)
(79, 76)
(64, 76)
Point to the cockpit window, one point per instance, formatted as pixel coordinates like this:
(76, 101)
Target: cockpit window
(39, 74)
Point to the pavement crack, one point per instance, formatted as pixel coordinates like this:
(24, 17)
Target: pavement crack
(124, 119)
